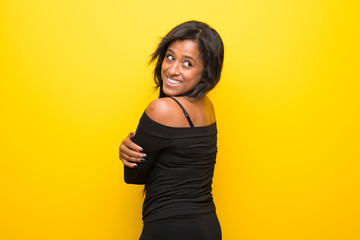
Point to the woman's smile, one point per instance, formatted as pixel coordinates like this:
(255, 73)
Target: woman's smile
(172, 82)
(182, 67)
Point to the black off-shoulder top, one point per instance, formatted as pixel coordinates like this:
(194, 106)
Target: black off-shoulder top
(179, 170)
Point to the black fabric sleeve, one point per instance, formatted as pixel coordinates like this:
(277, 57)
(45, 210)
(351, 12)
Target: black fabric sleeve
(152, 138)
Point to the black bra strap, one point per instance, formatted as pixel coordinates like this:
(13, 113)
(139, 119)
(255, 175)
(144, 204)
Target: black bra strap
(185, 112)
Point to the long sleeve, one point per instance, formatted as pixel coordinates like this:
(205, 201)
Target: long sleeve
(151, 138)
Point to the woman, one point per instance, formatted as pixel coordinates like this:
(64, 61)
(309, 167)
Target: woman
(174, 150)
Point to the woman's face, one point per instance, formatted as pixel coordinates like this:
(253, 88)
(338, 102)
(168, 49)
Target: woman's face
(182, 67)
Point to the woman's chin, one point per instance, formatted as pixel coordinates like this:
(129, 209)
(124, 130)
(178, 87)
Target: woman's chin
(170, 92)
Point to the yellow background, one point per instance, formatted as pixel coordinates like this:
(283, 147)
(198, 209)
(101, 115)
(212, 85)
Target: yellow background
(75, 81)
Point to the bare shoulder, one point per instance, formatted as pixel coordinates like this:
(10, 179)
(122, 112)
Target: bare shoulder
(162, 110)
(160, 106)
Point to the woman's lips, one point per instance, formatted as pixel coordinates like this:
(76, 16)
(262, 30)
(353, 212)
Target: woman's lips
(172, 82)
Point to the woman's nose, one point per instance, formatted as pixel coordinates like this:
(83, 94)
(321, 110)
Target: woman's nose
(174, 69)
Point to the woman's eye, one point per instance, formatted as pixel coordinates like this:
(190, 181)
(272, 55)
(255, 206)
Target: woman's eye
(187, 64)
(170, 57)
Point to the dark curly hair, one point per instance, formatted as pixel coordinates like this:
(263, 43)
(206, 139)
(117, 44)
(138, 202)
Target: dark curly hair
(211, 50)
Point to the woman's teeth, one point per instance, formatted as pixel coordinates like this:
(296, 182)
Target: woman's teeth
(172, 81)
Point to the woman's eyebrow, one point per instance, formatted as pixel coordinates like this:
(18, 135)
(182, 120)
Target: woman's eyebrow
(185, 56)
(171, 51)
(189, 57)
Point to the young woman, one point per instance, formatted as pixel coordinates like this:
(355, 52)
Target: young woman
(174, 149)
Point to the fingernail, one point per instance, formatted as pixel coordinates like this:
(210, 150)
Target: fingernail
(141, 150)
(131, 134)
(135, 166)
(143, 160)
(145, 157)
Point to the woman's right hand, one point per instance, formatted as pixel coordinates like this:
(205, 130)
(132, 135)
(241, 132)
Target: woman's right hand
(130, 153)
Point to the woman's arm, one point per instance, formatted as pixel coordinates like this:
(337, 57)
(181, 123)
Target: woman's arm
(152, 135)
(153, 138)
(130, 153)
